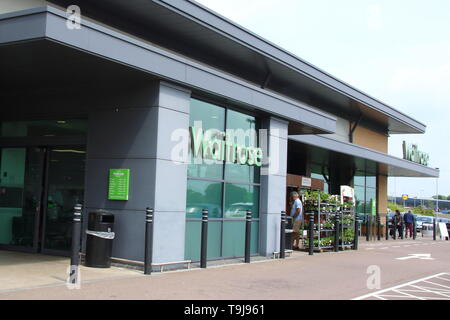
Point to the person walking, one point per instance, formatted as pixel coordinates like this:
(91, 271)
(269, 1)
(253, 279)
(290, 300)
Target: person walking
(297, 215)
(399, 226)
(409, 221)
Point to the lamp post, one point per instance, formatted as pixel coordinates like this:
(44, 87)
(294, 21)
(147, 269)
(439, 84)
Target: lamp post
(437, 195)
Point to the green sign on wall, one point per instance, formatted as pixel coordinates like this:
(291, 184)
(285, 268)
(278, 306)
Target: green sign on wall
(119, 182)
(374, 207)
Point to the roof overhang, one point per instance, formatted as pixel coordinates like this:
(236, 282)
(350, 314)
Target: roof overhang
(49, 24)
(199, 33)
(387, 165)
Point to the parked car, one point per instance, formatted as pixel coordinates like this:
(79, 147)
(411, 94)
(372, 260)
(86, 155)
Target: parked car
(420, 220)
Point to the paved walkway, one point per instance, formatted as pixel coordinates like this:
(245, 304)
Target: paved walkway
(342, 275)
(20, 271)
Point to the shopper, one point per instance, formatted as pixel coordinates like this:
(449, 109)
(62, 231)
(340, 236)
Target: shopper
(297, 215)
(399, 225)
(409, 221)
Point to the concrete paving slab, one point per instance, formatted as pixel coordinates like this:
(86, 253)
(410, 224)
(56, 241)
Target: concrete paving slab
(27, 270)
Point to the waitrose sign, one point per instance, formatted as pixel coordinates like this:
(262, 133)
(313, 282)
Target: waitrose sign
(412, 153)
(221, 146)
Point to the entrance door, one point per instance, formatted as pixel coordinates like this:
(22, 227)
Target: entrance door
(39, 187)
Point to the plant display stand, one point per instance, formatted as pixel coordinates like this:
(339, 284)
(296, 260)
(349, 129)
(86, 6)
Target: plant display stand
(327, 211)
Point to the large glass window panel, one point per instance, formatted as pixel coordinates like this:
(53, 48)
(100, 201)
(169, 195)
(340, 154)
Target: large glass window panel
(240, 198)
(43, 128)
(21, 173)
(359, 179)
(360, 199)
(321, 177)
(210, 115)
(233, 238)
(371, 181)
(200, 168)
(193, 239)
(241, 130)
(204, 195)
(371, 195)
(242, 173)
(211, 118)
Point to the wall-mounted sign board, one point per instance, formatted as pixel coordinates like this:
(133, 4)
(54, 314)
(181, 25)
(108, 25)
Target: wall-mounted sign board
(412, 153)
(119, 183)
(306, 182)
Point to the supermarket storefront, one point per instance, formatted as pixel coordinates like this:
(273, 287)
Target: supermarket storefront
(126, 102)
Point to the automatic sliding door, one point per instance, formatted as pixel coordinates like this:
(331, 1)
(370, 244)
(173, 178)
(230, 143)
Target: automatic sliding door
(65, 188)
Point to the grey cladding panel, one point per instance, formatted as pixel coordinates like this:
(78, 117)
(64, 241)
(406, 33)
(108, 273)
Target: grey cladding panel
(141, 191)
(128, 133)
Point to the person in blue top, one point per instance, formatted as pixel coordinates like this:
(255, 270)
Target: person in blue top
(297, 215)
(409, 221)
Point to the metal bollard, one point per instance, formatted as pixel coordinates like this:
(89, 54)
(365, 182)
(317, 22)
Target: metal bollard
(336, 232)
(356, 237)
(378, 228)
(414, 228)
(394, 218)
(248, 234)
(368, 227)
(311, 234)
(148, 258)
(283, 235)
(204, 240)
(76, 237)
(387, 229)
(434, 228)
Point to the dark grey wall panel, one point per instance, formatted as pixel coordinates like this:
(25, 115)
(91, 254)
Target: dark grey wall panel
(127, 133)
(142, 176)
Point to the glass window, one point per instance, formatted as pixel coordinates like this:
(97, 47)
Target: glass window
(193, 239)
(360, 178)
(360, 199)
(204, 195)
(371, 181)
(204, 168)
(219, 192)
(239, 199)
(44, 128)
(211, 118)
(371, 195)
(321, 177)
(241, 130)
(233, 238)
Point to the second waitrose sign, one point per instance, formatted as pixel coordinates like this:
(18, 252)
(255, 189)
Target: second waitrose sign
(223, 149)
(412, 153)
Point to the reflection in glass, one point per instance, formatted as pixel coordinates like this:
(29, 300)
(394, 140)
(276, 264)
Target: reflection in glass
(360, 178)
(193, 238)
(21, 172)
(204, 195)
(239, 199)
(212, 119)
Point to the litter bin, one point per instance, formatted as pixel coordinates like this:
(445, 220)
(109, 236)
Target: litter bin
(99, 239)
(288, 233)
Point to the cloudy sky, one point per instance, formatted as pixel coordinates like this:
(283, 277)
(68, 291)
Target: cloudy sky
(397, 51)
